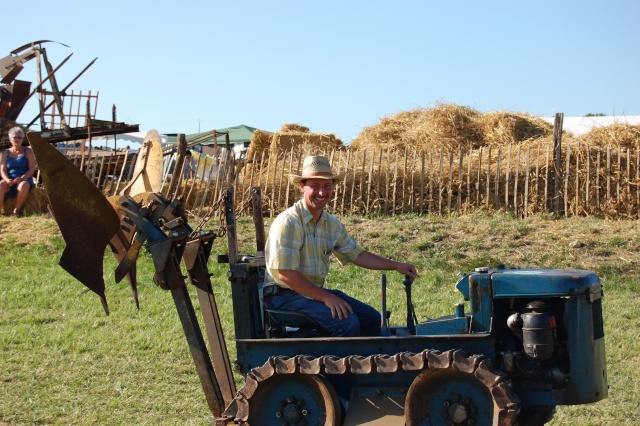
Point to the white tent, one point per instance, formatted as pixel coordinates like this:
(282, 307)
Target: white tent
(580, 125)
(132, 139)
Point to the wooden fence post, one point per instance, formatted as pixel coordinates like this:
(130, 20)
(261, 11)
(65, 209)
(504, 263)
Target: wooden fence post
(515, 184)
(588, 182)
(557, 161)
(488, 185)
(468, 203)
(608, 203)
(460, 164)
(537, 197)
(344, 183)
(566, 183)
(577, 200)
(597, 190)
(370, 179)
(618, 179)
(547, 205)
(637, 181)
(353, 181)
(430, 181)
(413, 165)
(440, 179)
(386, 198)
(526, 183)
(506, 186)
(496, 197)
(478, 177)
(362, 174)
(629, 200)
(450, 183)
(404, 179)
(379, 173)
(395, 185)
(340, 185)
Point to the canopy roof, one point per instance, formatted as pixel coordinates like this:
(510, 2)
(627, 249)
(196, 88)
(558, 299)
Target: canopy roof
(237, 134)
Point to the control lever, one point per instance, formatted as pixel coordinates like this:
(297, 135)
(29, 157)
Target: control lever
(384, 314)
(411, 316)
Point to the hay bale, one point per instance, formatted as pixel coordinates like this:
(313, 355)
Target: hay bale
(389, 133)
(290, 147)
(294, 127)
(291, 136)
(260, 142)
(313, 142)
(447, 125)
(503, 128)
(300, 138)
(618, 135)
(37, 203)
(451, 126)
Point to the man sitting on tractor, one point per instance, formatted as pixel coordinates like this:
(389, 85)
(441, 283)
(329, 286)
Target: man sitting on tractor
(298, 249)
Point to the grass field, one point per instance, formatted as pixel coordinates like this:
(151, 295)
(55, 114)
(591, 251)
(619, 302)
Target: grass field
(63, 362)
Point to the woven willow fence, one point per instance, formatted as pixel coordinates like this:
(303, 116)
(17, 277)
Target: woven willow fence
(581, 180)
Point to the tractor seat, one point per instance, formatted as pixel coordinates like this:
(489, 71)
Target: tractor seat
(279, 323)
(292, 324)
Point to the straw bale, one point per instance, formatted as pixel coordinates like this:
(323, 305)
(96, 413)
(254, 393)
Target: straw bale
(389, 133)
(260, 141)
(292, 136)
(37, 203)
(618, 135)
(452, 126)
(503, 128)
(294, 127)
(446, 125)
(305, 141)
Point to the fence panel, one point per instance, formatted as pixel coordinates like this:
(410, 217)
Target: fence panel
(594, 180)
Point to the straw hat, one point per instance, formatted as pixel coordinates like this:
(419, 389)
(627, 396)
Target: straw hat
(316, 167)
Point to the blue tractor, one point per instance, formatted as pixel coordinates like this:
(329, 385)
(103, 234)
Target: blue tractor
(530, 339)
(523, 341)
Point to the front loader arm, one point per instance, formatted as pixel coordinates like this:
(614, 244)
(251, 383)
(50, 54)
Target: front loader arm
(89, 222)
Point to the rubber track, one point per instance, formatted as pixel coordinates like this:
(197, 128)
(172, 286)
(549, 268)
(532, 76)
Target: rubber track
(506, 401)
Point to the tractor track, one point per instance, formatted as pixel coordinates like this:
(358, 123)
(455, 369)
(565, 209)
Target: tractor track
(506, 403)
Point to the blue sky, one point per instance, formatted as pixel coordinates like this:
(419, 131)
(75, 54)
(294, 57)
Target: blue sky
(334, 66)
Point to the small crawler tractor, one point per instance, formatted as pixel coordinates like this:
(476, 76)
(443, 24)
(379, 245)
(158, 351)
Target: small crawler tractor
(523, 341)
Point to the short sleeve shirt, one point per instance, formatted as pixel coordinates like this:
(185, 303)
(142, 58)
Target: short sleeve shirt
(297, 242)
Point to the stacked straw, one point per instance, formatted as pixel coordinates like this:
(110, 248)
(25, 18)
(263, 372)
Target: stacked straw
(452, 126)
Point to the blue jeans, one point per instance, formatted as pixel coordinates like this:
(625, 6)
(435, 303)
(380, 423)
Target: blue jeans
(364, 321)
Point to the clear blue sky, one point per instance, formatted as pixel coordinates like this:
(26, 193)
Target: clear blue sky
(334, 66)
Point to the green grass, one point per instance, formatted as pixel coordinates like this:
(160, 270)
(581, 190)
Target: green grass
(63, 362)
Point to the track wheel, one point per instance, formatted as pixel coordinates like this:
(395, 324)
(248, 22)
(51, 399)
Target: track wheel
(294, 400)
(459, 390)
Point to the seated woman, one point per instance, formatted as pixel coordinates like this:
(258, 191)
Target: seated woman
(17, 168)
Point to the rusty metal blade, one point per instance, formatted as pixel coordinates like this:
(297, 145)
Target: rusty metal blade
(86, 219)
(147, 172)
(33, 43)
(120, 244)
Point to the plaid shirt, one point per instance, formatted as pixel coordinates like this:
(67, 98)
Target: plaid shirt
(297, 242)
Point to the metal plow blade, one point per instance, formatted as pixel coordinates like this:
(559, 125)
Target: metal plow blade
(86, 219)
